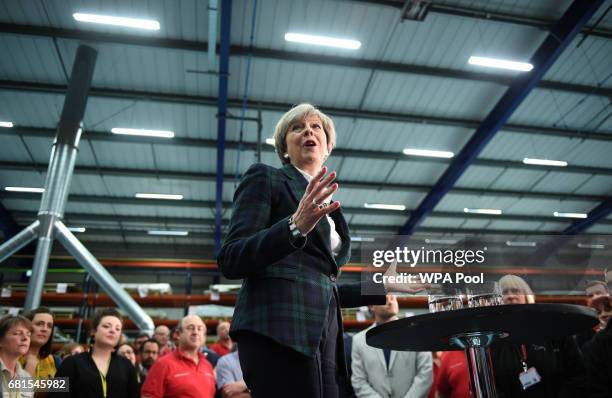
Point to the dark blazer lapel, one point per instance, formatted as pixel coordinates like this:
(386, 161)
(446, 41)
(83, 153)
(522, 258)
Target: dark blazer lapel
(296, 182)
(343, 231)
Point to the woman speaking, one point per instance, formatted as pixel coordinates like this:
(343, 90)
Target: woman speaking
(287, 239)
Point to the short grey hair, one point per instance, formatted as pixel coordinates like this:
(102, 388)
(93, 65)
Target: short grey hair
(297, 114)
(515, 282)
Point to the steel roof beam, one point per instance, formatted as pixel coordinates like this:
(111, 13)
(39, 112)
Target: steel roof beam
(149, 96)
(575, 17)
(599, 213)
(265, 53)
(228, 205)
(197, 176)
(495, 16)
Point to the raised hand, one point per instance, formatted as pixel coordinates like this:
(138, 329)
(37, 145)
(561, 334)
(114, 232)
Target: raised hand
(312, 206)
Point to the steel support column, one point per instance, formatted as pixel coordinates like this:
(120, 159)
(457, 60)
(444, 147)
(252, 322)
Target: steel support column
(224, 53)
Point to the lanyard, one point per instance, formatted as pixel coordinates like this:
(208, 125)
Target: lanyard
(103, 378)
(524, 357)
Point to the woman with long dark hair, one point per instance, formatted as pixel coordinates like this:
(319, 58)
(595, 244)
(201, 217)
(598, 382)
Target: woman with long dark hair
(38, 361)
(101, 373)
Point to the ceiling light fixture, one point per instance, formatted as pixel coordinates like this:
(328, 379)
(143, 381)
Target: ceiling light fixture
(168, 233)
(77, 229)
(383, 206)
(570, 215)
(482, 211)
(323, 41)
(24, 189)
(143, 132)
(148, 24)
(270, 141)
(165, 196)
(545, 162)
(6, 124)
(428, 153)
(500, 63)
(517, 243)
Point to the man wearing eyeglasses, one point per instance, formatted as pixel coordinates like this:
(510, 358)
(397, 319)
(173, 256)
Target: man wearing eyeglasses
(184, 373)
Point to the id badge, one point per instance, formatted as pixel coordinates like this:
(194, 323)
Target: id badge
(529, 378)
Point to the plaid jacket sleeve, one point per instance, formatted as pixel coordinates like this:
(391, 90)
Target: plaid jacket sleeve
(253, 242)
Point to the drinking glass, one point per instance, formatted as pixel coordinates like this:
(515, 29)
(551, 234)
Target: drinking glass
(448, 301)
(484, 294)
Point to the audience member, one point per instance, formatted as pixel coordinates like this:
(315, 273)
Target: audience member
(15, 332)
(162, 335)
(149, 351)
(557, 362)
(224, 344)
(596, 289)
(598, 359)
(139, 340)
(229, 377)
(39, 362)
(382, 372)
(70, 349)
(185, 372)
(453, 377)
(101, 373)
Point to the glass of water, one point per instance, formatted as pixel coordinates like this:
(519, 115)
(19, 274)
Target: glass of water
(484, 294)
(448, 301)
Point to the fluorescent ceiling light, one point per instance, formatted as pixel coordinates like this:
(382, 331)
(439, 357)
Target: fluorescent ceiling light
(428, 153)
(6, 124)
(323, 41)
(545, 162)
(500, 63)
(383, 206)
(361, 239)
(570, 215)
(168, 233)
(24, 189)
(144, 132)
(77, 229)
(159, 196)
(270, 141)
(482, 211)
(148, 24)
(434, 241)
(590, 246)
(517, 243)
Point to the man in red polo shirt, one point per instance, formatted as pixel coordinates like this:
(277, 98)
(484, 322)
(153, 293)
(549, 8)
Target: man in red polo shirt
(184, 373)
(224, 344)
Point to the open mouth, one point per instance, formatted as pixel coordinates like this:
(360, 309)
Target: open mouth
(310, 143)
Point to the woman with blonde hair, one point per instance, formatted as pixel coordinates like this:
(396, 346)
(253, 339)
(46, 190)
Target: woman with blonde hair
(515, 290)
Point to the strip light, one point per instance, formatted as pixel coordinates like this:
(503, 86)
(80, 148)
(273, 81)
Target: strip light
(24, 189)
(164, 196)
(570, 215)
(168, 233)
(270, 141)
(383, 206)
(143, 132)
(516, 243)
(6, 124)
(482, 211)
(77, 229)
(500, 63)
(434, 241)
(323, 41)
(590, 246)
(545, 162)
(428, 153)
(148, 24)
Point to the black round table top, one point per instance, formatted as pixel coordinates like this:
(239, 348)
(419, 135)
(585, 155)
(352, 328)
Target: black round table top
(523, 323)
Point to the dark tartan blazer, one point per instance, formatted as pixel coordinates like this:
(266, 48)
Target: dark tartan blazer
(286, 290)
